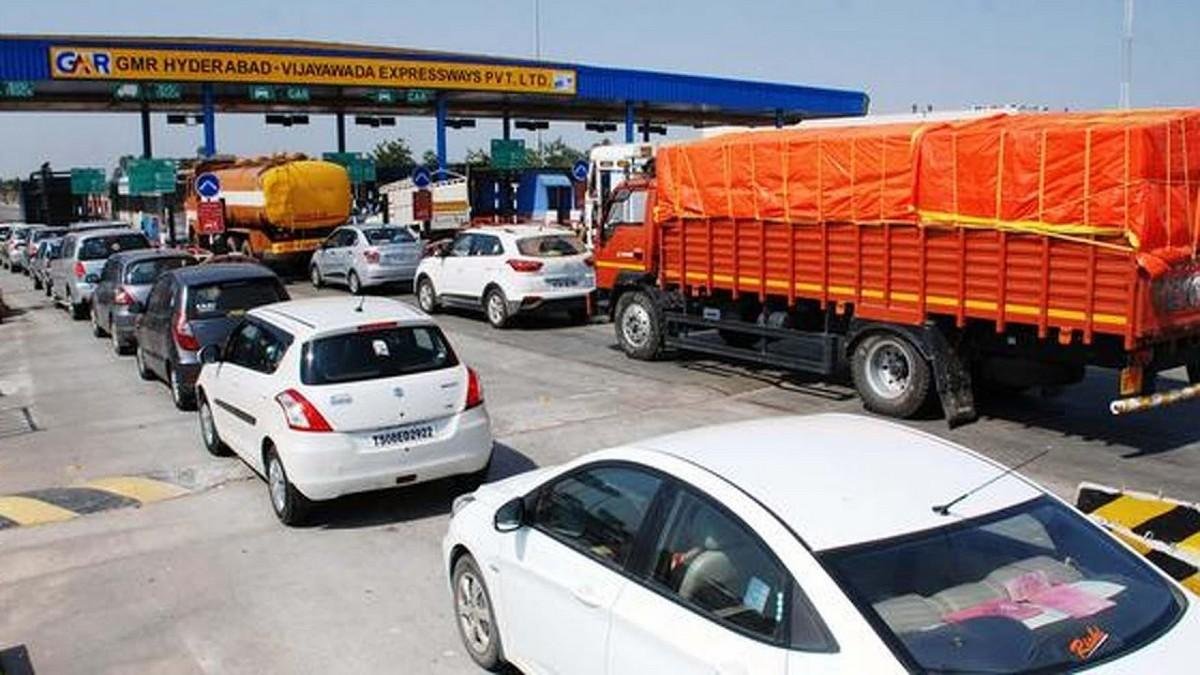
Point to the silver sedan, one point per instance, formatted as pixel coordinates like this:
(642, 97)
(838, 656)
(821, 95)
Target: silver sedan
(361, 256)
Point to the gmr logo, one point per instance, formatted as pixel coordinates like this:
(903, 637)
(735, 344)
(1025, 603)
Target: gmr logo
(70, 62)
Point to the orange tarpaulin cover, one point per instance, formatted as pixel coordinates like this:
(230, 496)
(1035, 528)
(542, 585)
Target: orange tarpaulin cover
(1125, 180)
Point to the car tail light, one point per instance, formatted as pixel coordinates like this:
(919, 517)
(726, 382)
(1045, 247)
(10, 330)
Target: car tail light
(301, 415)
(123, 297)
(378, 325)
(372, 256)
(589, 261)
(474, 389)
(80, 270)
(525, 265)
(184, 337)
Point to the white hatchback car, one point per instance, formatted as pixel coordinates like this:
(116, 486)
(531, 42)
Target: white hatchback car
(831, 544)
(331, 396)
(509, 270)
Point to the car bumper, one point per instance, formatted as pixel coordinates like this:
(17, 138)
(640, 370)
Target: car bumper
(81, 293)
(325, 466)
(124, 327)
(374, 275)
(554, 301)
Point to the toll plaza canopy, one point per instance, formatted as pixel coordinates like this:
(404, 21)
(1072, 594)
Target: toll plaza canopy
(84, 73)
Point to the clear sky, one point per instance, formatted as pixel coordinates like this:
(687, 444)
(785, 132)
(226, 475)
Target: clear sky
(948, 53)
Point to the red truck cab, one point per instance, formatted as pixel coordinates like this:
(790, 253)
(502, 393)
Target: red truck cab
(625, 239)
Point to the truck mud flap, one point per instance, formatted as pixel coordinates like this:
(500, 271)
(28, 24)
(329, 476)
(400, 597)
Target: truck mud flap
(793, 350)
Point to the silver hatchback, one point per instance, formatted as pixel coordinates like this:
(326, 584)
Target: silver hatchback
(361, 256)
(74, 275)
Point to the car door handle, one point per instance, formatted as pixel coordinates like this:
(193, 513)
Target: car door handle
(586, 596)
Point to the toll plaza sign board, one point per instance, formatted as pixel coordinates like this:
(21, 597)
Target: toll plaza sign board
(210, 218)
(174, 65)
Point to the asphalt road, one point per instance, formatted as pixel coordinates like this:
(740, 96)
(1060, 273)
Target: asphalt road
(210, 582)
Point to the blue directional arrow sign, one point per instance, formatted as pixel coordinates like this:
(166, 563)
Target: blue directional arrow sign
(421, 177)
(208, 185)
(579, 171)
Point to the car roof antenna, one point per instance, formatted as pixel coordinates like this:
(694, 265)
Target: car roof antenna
(944, 509)
(361, 300)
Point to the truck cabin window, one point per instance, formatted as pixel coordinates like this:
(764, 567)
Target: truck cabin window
(627, 208)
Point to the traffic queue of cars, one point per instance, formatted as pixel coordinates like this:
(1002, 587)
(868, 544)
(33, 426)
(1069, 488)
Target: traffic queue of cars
(830, 543)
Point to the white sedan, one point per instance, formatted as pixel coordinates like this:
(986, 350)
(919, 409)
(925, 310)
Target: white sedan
(331, 396)
(509, 270)
(832, 544)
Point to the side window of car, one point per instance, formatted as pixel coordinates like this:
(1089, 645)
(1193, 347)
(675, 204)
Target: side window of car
(462, 245)
(245, 347)
(715, 565)
(598, 510)
(486, 244)
(157, 300)
(68, 248)
(350, 237)
(109, 273)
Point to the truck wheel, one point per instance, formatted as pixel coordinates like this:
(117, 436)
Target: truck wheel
(639, 326)
(496, 308)
(426, 296)
(890, 375)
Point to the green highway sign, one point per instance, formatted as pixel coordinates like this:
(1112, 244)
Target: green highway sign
(88, 182)
(259, 92)
(296, 93)
(508, 154)
(383, 96)
(127, 91)
(16, 89)
(164, 91)
(361, 169)
(418, 96)
(150, 176)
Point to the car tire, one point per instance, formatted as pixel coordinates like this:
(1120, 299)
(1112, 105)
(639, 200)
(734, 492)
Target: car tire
(290, 507)
(474, 616)
(180, 396)
(427, 296)
(891, 376)
(353, 284)
(639, 326)
(120, 348)
(208, 428)
(46, 288)
(143, 369)
(79, 311)
(495, 306)
(314, 276)
(37, 283)
(97, 331)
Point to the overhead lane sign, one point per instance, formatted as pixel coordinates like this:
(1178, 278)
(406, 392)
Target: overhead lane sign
(96, 63)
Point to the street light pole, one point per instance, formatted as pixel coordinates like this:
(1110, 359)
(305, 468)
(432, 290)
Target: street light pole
(1127, 57)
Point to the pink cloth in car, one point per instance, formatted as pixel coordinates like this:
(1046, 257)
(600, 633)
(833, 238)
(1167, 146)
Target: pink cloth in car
(1031, 594)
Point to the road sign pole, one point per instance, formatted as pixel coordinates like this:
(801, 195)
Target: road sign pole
(441, 131)
(210, 122)
(147, 150)
(341, 131)
(507, 126)
(629, 122)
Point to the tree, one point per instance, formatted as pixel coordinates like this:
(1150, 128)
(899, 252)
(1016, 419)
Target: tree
(556, 153)
(429, 158)
(394, 155)
(478, 156)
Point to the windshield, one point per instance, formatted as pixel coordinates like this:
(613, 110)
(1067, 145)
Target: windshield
(550, 246)
(49, 233)
(1034, 587)
(146, 271)
(389, 235)
(375, 354)
(99, 248)
(213, 301)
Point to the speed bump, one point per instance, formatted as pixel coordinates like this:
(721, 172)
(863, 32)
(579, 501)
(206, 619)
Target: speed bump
(52, 505)
(1166, 531)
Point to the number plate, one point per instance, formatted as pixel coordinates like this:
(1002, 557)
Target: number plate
(562, 282)
(403, 435)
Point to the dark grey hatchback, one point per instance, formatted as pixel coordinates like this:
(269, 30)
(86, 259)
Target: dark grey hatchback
(192, 307)
(124, 285)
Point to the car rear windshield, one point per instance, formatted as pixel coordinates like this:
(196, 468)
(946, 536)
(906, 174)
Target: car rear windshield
(146, 271)
(99, 248)
(1031, 588)
(550, 246)
(389, 235)
(375, 354)
(210, 301)
(39, 235)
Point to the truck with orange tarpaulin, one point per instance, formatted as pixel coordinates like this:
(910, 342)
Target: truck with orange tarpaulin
(275, 208)
(927, 258)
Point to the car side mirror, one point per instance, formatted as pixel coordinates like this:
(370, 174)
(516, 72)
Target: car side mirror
(210, 354)
(511, 516)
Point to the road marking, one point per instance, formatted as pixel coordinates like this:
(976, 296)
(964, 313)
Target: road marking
(144, 490)
(30, 511)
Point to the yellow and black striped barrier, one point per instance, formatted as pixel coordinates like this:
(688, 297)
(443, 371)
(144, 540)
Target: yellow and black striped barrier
(52, 505)
(1165, 531)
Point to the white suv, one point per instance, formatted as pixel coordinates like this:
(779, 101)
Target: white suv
(508, 270)
(331, 396)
